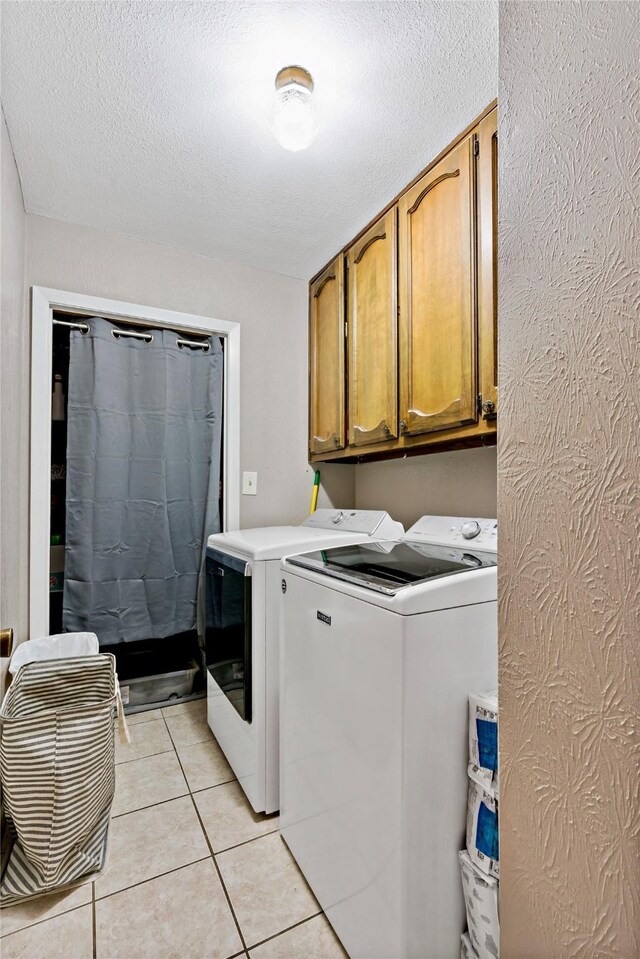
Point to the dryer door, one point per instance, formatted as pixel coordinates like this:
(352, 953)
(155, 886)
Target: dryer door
(228, 628)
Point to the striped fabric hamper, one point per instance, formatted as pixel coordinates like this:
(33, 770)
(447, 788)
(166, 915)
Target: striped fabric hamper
(57, 767)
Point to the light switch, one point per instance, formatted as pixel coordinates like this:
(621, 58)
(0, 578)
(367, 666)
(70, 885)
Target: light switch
(249, 484)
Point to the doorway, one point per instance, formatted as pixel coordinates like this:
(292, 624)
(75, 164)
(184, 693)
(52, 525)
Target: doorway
(154, 671)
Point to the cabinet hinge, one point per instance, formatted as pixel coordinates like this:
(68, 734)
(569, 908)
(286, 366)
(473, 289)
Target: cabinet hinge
(479, 404)
(346, 331)
(476, 147)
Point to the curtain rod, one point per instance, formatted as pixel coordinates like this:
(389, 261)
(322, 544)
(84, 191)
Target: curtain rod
(194, 343)
(147, 337)
(83, 327)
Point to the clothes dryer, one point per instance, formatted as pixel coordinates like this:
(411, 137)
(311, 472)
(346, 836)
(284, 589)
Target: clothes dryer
(241, 636)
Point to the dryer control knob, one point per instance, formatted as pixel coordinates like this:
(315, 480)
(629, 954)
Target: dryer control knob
(470, 530)
(338, 517)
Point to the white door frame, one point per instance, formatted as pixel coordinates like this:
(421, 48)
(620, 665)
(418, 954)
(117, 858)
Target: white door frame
(44, 302)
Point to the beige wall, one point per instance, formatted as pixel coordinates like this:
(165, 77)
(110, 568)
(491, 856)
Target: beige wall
(568, 479)
(14, 410)
(450, 484)
(272, 311)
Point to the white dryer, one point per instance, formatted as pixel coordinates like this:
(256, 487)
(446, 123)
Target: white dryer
(241, 636)
(381, 645)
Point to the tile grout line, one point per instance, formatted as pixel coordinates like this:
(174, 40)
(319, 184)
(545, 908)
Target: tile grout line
(161, 802)
(213, 855)
(295, 925)
(123, 762)
(213, 858)
(194, 792)
(162, 752)
(222, 883)
(161, 875)
(226, 782)
(38, 922)
(245, 842)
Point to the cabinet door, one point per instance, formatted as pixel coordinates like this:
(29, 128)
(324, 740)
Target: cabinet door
(326, 360)
(436, 243)
(372, 320)
(488, 266)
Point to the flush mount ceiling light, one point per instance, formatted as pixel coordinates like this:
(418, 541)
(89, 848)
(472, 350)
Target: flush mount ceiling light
(293, 120)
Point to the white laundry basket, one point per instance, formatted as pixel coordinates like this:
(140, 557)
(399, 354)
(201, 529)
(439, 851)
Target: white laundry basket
(57, 769)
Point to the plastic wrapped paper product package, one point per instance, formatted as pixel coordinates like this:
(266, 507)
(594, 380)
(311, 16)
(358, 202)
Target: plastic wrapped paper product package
(481, 901)
(483, 740)
(466, 949)
(482, 830)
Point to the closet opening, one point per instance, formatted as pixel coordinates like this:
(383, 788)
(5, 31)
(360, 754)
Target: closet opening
(135, 493)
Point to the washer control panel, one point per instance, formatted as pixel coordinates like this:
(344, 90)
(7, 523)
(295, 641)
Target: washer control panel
(463, 531)
(471, 529)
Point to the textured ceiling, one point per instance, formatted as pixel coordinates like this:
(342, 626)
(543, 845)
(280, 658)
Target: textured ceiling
(151, 118)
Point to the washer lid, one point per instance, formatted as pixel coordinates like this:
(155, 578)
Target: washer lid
(388, 567)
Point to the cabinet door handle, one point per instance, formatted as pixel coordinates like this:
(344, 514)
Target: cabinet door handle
(403, 426)
(489, 408)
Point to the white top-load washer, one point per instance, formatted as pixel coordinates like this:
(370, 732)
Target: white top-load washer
(381, 645)
(241, 635)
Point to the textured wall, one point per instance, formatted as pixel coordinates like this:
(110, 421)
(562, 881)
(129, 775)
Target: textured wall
(568, 479)
(14, 403)
(462, 483)
(272, 311)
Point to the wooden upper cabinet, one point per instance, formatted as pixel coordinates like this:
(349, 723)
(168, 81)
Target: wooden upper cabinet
(372, 334)
(421, 316)
(436, 251)
(488, 263)
(326, 360)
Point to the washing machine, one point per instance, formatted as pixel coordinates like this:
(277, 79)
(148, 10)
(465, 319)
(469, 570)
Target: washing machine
(242, 570)
(381, 645)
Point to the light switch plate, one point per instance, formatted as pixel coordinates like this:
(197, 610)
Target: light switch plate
(249, 484)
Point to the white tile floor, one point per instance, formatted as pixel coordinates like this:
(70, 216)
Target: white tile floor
(193, 872)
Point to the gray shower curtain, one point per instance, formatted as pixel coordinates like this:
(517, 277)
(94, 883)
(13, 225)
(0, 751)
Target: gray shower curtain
(143, 471)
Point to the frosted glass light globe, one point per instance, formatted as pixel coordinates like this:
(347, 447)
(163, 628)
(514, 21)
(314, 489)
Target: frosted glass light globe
(293, 119)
